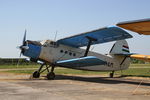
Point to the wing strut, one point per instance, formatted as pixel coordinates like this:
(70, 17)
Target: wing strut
(90, 40)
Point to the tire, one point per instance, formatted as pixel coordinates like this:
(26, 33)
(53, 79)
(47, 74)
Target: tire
(36, 74)
(51, 76)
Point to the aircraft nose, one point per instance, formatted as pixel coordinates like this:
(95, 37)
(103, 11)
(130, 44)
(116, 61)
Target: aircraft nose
(33, 51)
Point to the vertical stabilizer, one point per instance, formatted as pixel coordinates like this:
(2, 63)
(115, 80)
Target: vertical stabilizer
(120, 47)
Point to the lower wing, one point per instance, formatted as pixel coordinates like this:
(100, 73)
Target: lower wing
(81, 62)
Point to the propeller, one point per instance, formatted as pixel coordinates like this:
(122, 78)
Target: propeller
(23, 47)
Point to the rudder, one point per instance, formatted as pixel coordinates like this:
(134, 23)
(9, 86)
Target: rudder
(120, 47)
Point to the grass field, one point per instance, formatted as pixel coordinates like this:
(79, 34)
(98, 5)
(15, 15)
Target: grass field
(138, 70)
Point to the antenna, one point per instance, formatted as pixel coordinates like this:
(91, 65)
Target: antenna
(55, 36)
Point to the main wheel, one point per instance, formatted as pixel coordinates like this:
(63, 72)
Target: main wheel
(50, 75)
(36, 74)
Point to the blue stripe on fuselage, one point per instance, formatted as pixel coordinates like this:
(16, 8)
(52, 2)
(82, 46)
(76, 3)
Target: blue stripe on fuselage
(33, 51)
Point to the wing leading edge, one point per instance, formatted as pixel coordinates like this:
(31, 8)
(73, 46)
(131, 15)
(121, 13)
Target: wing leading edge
(100, 36)
(81, 62)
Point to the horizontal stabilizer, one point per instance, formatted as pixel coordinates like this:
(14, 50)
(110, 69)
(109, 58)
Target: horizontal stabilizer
(81, 62)
(125, 54)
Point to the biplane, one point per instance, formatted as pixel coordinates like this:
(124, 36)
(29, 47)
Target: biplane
(67, 52)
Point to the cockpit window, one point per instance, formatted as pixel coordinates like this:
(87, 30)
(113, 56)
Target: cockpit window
(49, 43)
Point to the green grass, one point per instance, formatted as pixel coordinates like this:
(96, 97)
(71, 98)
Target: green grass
(36, 66)
(134, 70)
(138, 72)
(61, 71)
(139, 65)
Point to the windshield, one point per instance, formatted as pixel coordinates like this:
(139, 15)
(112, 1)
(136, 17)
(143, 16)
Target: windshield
(49, 43)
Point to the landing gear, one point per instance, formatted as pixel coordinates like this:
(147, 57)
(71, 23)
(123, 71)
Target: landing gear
(111, 75)
(36, 74)
(50, 74)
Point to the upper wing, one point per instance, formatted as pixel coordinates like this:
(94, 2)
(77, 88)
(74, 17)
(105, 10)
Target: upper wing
(100, 35)
(81, 62)
(141, 57)
(139, 26)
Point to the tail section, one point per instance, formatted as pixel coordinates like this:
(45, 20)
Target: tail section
(120, 47)
(120, 53)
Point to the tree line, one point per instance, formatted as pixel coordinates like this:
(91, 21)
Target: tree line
(15, 61)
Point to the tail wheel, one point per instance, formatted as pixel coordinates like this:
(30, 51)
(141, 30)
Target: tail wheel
(111, 75)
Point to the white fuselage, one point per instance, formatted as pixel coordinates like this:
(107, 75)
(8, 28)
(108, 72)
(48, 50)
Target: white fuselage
(52, 54)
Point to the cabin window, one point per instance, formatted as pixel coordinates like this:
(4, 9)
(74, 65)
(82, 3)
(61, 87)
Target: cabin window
(74, 54)
(66, 52)
(53, 44)
(70, 53)
(61, 51)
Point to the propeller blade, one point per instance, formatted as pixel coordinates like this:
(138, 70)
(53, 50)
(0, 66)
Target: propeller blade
(20, 55)
(19, 59)
(24, 38)
(24, 45)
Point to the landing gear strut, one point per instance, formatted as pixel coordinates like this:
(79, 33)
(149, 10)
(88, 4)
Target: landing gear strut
(37, 73)
(50, 74)
(111, 75)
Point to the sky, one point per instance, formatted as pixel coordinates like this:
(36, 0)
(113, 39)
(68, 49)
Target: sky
(42, 18)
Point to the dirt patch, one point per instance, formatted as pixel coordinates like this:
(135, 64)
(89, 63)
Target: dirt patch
(72, 87)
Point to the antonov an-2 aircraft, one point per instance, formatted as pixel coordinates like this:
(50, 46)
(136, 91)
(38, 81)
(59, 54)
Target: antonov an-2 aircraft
(67, 52)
